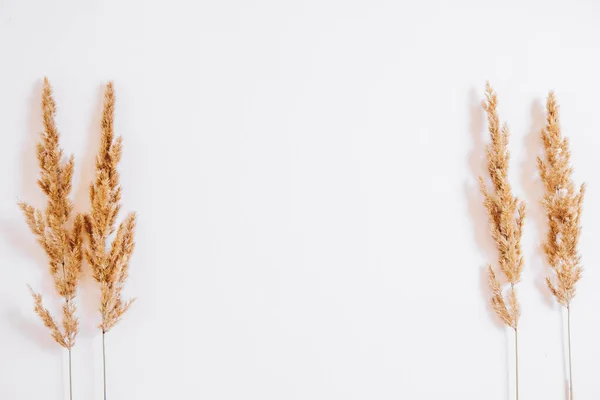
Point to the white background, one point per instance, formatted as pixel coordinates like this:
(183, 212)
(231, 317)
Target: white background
(305, 176)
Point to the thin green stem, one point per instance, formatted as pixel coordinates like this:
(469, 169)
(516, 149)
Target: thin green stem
(516, 364)
(569, 339)
(104, 363)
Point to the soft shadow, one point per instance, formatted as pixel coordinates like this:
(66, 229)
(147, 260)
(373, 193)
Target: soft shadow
(88, 293)
(15, 231)
(534, 188)
(479, 217)
(32, 328)
(476, 209)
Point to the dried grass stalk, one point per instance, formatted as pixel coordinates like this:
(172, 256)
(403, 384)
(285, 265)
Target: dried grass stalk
(563, 204)
(57, 233)
(506, 214)
(109, 261)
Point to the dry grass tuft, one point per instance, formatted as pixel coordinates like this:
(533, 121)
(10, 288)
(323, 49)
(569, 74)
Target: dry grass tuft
(61, 242)
(109, 262)
(563, 204)
(506, 214)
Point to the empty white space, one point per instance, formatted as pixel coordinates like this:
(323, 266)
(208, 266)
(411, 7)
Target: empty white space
(305, 177)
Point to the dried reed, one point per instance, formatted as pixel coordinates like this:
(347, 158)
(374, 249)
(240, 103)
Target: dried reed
(61, 241)
(563, 204)
(109, 261)
(506, 214)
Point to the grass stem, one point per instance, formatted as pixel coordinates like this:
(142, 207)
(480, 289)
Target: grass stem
(104, 363)
(517, 364)
(70, 378)
(569, 339)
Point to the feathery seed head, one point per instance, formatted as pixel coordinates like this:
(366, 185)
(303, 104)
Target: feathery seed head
(109, 262)
(563, 204)
(62, 245)
(506, 214)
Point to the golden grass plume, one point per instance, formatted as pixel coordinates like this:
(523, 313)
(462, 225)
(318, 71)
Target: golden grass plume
(109, 261)
(57, 233)
(506, 214)
(563, 204)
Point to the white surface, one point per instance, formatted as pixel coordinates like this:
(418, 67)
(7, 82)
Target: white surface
(305, 177)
